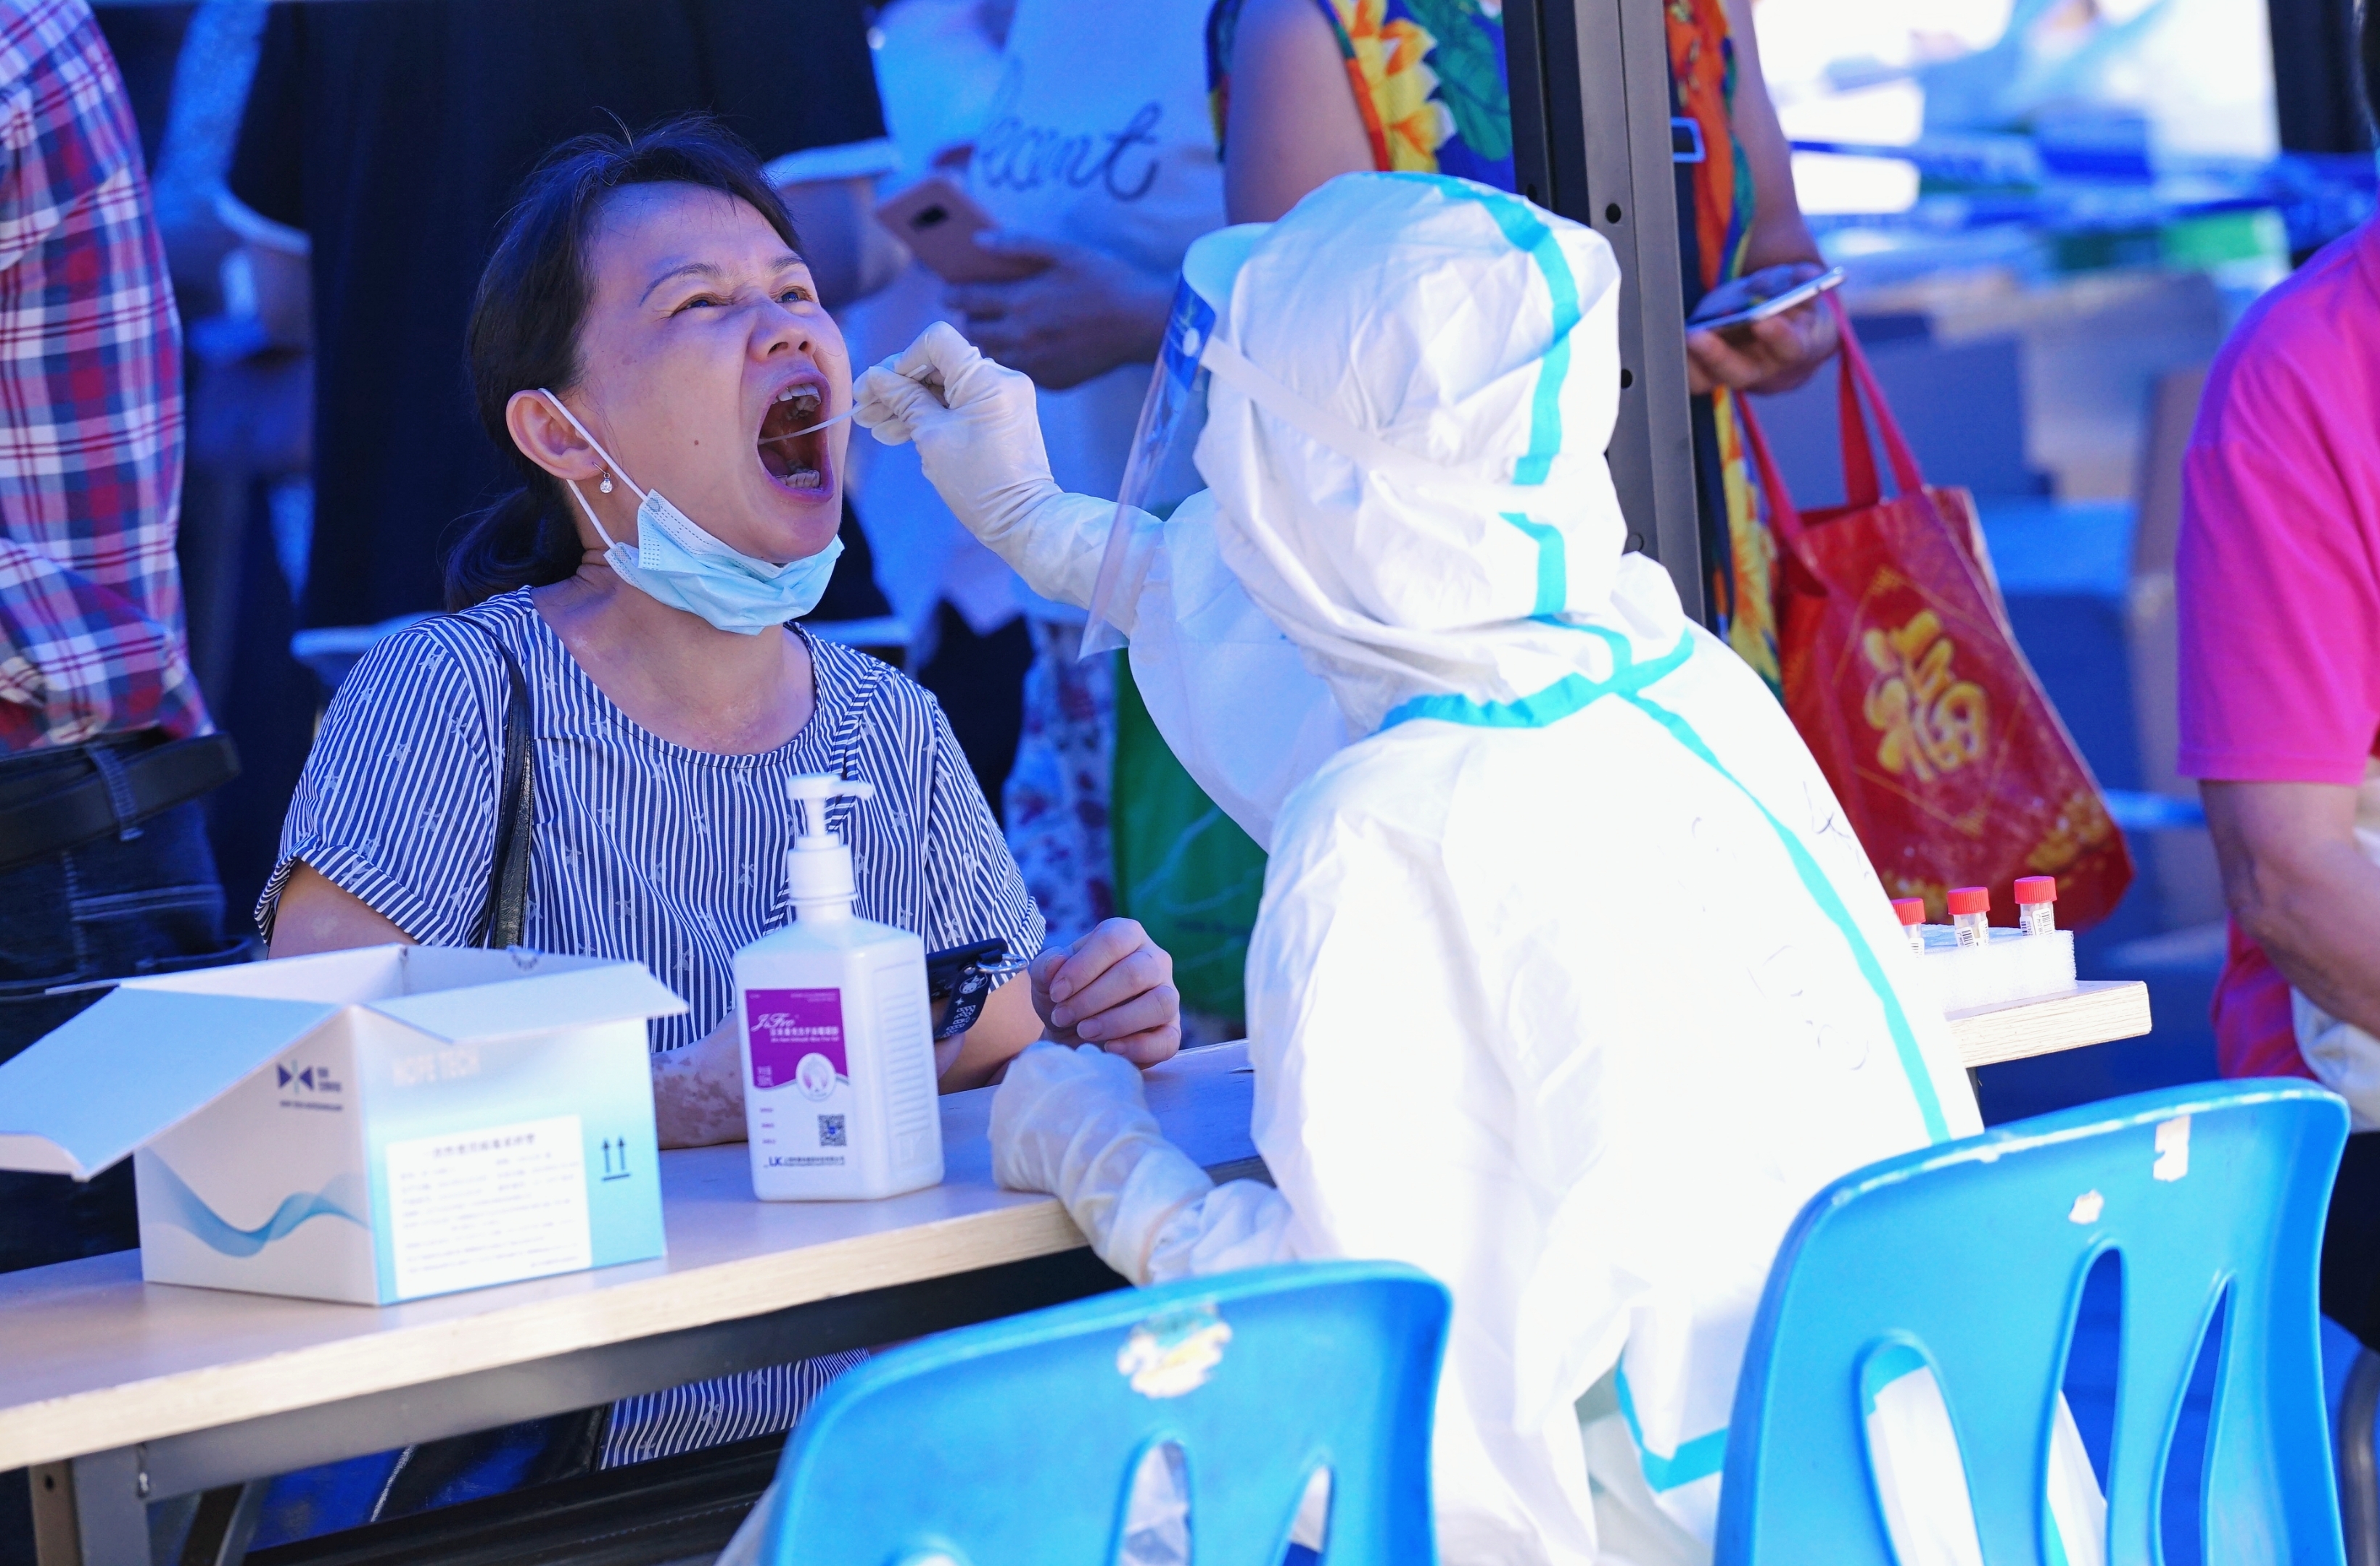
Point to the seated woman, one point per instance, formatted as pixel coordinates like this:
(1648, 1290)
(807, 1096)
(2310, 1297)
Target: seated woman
(645, 327)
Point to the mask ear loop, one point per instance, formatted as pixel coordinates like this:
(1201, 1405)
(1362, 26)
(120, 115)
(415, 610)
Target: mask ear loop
(575, 492)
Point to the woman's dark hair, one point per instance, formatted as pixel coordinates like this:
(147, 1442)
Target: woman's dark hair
(531, 302)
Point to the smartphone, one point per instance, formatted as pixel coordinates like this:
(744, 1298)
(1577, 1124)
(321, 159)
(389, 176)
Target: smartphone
(938, 222)
(966, 975)
(1772, 290)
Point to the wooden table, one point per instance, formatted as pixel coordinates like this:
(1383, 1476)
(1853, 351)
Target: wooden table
(119, 1393)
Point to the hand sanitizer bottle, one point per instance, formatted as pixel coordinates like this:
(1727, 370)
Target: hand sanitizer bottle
(837, 1034)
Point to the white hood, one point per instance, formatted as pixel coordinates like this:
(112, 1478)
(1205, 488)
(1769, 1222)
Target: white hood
(1406, 447)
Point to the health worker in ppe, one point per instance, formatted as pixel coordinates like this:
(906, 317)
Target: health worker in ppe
(1570, 985)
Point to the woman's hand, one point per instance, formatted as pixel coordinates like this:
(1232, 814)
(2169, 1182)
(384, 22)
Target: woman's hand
(1083, 315)
(698, 1090)
(1113, 988)
(1774, 355)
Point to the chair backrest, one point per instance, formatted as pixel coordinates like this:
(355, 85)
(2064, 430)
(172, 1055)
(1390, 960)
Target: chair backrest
(1974, 1254)
(1016, 1441)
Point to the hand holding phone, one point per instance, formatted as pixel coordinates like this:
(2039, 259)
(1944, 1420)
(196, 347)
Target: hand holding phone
(942, 225)
(1752, 336)
(1758, 296)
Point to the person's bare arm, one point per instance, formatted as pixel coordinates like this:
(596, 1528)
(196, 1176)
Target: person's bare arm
(284, 293)
(1292, 122)
(1778, 232)
(2300, 885)
(850, 254)
(1779, 354)
(698, 1090)
(1007, 1025)
(316, 913)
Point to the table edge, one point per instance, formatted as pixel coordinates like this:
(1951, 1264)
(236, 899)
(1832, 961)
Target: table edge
(178, 1402)
(2097, 1011)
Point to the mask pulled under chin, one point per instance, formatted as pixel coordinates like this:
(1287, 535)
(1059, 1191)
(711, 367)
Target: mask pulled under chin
(676, 562)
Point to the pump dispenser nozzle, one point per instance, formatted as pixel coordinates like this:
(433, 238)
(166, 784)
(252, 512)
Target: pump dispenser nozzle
(817, 869)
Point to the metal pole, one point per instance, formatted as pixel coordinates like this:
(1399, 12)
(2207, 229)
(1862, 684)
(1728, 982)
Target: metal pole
(1590, 83)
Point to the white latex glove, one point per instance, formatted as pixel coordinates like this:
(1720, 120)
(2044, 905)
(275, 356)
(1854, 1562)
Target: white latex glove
(978, 435)
(1074, 1123)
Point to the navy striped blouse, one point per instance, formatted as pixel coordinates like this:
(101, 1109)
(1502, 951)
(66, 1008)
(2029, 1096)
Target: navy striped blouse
(644, 850)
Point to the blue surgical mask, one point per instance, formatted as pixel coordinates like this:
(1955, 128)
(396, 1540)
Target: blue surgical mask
(676, 562)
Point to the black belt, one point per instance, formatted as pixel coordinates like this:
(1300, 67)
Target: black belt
(65, 798)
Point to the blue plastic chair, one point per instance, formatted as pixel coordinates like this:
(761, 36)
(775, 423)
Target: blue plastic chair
(1015, 1442)
(1974, 1254)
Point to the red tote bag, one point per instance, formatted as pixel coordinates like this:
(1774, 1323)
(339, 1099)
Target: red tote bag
(1905, 681)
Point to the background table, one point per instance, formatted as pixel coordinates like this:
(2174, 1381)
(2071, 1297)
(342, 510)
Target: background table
(2094, 1012)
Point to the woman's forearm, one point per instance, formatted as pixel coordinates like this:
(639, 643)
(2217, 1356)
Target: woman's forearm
(1008, 1023)
(698, 1090)
(2303, 889)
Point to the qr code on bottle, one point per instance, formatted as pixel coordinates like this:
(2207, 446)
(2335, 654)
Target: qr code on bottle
(830, 1131)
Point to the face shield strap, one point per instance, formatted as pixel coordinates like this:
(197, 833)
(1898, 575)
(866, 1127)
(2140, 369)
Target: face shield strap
(575, 492)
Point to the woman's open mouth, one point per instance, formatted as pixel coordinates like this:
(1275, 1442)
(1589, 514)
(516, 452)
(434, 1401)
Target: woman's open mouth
(792, 452)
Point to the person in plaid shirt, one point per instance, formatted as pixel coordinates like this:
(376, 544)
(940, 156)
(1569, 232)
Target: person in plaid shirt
(104, 742)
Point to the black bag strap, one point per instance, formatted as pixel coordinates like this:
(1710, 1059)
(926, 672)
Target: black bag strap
(852, 710)
(566, 1446)
(506, 909)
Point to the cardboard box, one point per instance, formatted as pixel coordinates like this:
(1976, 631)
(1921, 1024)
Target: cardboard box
(372, 1125)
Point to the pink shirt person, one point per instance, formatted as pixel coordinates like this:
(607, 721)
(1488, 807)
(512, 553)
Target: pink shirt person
(2280, 578)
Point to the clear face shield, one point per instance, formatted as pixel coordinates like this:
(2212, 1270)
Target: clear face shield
(1159, 471)
(1170, 418)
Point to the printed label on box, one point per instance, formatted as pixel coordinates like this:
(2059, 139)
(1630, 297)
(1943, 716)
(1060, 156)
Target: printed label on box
(491, 1206)
(798, 1038)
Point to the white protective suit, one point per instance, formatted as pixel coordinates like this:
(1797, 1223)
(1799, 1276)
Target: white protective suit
(1570, 985)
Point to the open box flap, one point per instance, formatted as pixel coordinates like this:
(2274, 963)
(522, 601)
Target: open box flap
(131, 1067)
(577, 998)
(336, 978)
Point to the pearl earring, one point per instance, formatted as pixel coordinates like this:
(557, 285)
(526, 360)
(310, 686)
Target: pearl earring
(607, 485)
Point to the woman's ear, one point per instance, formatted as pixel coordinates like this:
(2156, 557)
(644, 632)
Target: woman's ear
(548, 439)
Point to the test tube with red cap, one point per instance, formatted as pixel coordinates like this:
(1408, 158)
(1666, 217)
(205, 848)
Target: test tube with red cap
(1913, 921)
(2037, 904)
(1971, 908)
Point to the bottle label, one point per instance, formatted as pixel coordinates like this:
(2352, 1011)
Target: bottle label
(2037, 919)
(797, 1042)
(1973, 931)
(797, 1039)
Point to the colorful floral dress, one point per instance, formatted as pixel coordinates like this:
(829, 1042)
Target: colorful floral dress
(1428, 76)
(1429, 80)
